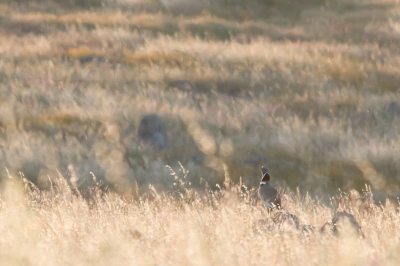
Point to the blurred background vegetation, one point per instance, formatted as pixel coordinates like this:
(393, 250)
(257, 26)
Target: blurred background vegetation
(308, 88)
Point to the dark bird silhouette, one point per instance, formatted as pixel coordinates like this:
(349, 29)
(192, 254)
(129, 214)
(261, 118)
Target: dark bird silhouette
(152, 132)
(394, 108)
(268, 194)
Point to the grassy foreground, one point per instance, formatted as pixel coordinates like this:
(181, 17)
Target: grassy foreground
(213, 228)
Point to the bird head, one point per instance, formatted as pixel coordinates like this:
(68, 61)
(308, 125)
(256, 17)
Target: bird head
(265, 176)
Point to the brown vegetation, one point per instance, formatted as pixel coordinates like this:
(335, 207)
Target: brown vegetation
(308, 88)
(219, 228)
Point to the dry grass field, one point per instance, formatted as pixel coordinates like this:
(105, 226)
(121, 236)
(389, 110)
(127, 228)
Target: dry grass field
(308, 88)
(214, 228)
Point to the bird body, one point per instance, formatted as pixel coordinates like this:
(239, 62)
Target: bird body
(152, 133)
(268, 194)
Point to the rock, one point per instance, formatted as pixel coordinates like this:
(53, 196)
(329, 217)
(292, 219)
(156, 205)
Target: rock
(343, 223)
(286, 220)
